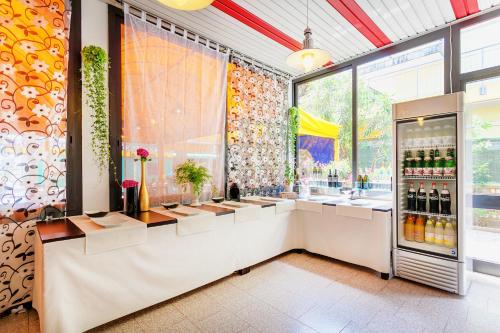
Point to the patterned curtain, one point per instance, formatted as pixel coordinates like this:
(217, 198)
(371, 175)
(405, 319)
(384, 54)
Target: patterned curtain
(33, 69)
(256, 128)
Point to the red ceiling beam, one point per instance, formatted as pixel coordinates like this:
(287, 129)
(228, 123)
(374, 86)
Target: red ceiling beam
(463, 8)
(353, 13)
(244, 16)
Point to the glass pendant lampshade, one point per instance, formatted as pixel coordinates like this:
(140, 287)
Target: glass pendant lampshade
(187, 4)
(308, 58)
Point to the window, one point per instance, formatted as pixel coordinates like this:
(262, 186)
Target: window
(325, 134)
(412, 74)
(480, 46)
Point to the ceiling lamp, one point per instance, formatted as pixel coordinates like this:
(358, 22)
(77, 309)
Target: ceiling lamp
(187, 4)
(308, 58)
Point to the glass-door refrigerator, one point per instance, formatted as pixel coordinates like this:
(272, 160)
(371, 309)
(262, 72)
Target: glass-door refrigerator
(430, 191)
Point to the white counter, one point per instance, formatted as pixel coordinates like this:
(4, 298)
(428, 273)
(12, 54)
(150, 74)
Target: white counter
(75, 292)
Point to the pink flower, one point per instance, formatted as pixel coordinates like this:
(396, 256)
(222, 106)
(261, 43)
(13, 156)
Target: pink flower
(127, 183)
(142, 153)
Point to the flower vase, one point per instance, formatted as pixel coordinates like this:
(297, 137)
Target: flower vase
(143, 191)
(131, 200)
(196, 200)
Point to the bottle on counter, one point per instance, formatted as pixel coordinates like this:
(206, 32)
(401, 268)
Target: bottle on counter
(450, 236)
(359, 180)
(419, 229)
(409, 230)
(422, 199)
(445, 200)
(439, 233)
(330, 178)
(429, 230)
(335, 179)
(412, 198)
(434, 200)
(365, 182)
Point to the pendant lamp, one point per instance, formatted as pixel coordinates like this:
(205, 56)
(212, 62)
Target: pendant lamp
(309, 57)
(187, 4)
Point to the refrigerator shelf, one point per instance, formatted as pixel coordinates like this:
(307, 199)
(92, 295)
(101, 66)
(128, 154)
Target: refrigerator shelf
(428, 248)
(427, 147)
(453, 217)
(448, 178)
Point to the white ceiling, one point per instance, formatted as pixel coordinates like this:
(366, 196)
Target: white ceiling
(398, 19)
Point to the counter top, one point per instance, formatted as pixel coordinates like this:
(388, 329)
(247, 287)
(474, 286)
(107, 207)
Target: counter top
(262, 203)
(215, 209)
(57, 230)
(153, 219)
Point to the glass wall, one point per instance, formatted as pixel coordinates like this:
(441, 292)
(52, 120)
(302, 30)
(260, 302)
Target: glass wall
(412, 74)
(480, 46)
(325, 135)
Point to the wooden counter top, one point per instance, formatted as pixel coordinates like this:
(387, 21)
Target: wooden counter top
(57, 230)
(154, 219)
(262, 203)
(217, 210)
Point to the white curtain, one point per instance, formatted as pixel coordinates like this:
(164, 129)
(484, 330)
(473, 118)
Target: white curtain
(174, 106)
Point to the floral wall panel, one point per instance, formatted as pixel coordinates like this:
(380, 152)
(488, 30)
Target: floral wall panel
(33, 69)
(256, 125)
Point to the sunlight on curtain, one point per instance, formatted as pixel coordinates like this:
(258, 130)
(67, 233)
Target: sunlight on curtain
(256, 128)
(33, 81)
(174, 106)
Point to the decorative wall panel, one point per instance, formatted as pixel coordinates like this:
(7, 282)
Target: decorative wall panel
(256, 125)
(33, 68)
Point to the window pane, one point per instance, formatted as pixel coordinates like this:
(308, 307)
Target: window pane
(408, 75)
(483, 105)
(480, 46)
(325, 135)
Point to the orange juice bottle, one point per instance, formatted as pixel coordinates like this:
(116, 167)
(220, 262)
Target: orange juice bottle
(450, 237)
(420, 229)
(429, 230)
(439, 232)
(410, 228)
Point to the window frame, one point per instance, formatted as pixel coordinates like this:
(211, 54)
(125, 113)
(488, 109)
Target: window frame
(453, 80)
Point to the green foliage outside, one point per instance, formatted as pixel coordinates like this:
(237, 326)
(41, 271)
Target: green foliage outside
(330, 98)
(293, 130)
(192, 173)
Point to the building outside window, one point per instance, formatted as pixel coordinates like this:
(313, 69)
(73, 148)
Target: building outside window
(408, 75)
(480, 46)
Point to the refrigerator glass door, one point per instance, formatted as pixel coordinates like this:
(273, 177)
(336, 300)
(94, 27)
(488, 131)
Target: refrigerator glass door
(427, 185)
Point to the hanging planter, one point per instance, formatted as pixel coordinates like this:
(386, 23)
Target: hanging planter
(293, 130)
(94, 67)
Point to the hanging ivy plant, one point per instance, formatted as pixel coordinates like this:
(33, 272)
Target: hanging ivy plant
(95, 65)
(293, 130)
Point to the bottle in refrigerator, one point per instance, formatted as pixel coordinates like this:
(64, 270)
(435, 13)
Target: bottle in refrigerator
(428, 166)
(449, 236)
(445, 199)
(409, 230)
(420, 163)
(419, 229)
(407, 171)
(434, 200)
(412, 198)
(439, 233)
(438, 168)
(450, 166)
(421, 198)
(429, 230)
(413, 165)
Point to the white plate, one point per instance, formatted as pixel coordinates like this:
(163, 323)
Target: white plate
(109, 221)
(184, 212)
(360, 202)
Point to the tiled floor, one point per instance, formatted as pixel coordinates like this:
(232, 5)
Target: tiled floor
(306, 293)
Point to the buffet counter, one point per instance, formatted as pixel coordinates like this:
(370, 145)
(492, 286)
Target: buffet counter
(76, 291)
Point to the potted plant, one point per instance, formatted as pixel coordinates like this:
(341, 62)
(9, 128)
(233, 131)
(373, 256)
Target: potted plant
(193, 174)
(289, 178)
